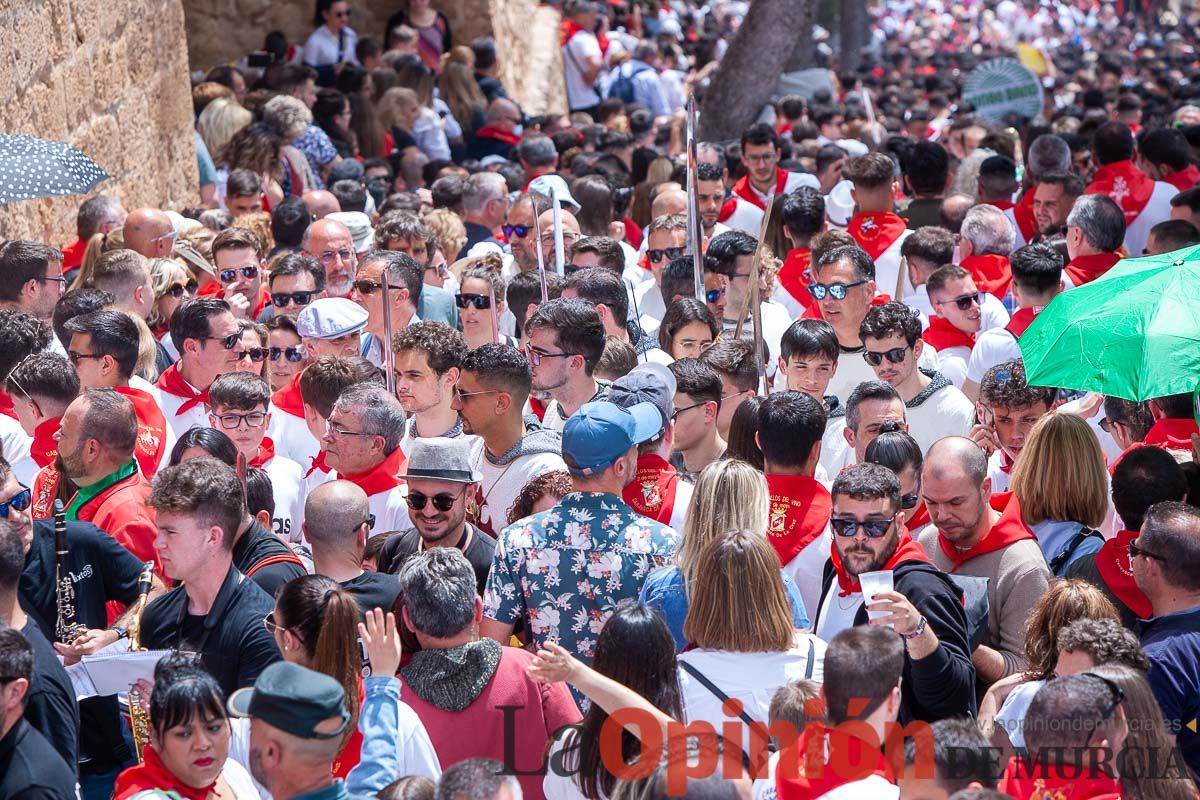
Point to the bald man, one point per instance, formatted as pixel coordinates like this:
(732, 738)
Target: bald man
(975, 534)
(321, 203)
(571, 234)
(149, 232)
(500, 133)
(330, 243)
(671, 201)
(337, 522)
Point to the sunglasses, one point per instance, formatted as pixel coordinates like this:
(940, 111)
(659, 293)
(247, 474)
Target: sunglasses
(896, 355)
(964, 302)
(714, 295)
(231, 422)
(1135, 551)
(255, 354)
(294, 354)
(179, 289)
(18, 502)
(442, 502)
(872, 528)
(479, 301)
(370, 287)
(1117, 697)
(230, 275)
(668, 252)
(835, 290)
(228, 342)
(909, 500)
(520, 231)
(76, 357)
(284, 299)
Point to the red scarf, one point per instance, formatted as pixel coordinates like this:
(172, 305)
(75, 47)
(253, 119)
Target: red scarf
(744, 190)
(876, 231)
(173, 383)
(941, 335)
(849, 759)
(1126, 185)
(1006, 463)
(906, 550)
(920, 517)
(288, 399)
(727, 209)
(1003, 205)
(73, 253)
(537, 407)
(152, 773)
(1113, 564)
(488, 132)
(1009, 529)
(382, 477)
(266, 451)
(792, 278)
(1022, 781)
(6, 405)
(1182, 180)
(318, 463)
(652, 492)
(45, 446)
(569, 28)
(992, 273)
(1022, 320)
(45, 489)
(800, 508)
(1023, 214)
(1085, 269)
(1172, 434)
(152, 429)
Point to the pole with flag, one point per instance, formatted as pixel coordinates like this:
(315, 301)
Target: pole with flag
(695, 233)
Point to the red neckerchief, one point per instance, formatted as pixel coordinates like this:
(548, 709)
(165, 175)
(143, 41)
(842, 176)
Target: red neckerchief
(1004, 205)
(814, 311)
(744, 190)
(352, 750)
(727, 209)
(800, 508)
(1112, 562)
(213, 289)
(652, 492)
(266, 451)
(152, 429)
(488, 132)
(73, 253)
(941, 335)
(173, 383)
(876, 231)
(992, 273)
(153, 774)
(1023, 214)
(1022, 320)
(1037, 782)
(288, 398)
(1125, 184)
(1006, 463)
(1009, 529)
(264, 300)
(537, 407)
(1085, 269)
(920, 517)
(1182, 180)
(906, 550)
(45, 446)
(6, 405)
(382, 477)
(318, 463)
(569, 28)
(850, 758)
(1172, 434)
(791, 277)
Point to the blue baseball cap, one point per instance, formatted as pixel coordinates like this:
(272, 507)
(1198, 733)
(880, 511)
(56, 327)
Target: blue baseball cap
(600, 433)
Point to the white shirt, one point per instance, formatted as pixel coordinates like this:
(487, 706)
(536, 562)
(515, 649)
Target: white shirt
(1156, 210)
(582, 48)
(837, 613)
(887, 269)
(292, 438)
(991, 348)
(807, 569)
(836, 454)
(650, 306)
(947, 412)
(999, 477)
(500, 485)
(16, 450)
(322, 50)
(194, 417)
(748, 217)
(852, 369)
(287, 486)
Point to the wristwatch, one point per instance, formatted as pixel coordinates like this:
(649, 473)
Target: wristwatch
(121, 633)
(919, 630)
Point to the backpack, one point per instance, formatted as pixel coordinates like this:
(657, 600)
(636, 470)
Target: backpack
(622, 86)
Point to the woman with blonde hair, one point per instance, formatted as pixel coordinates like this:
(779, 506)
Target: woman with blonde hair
(448, 229)
(219, 121)
(99, 245)
(290, 118)
(173, 285)
(1061, 484)
(398, 111)
(460, 91)
(728, 495)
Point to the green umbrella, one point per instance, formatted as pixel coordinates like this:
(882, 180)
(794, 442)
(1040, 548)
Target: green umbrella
(1133, 333)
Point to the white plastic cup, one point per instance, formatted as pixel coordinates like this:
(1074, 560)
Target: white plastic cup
(872, 584)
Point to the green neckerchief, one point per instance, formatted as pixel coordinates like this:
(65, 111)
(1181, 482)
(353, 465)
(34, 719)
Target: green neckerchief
(88, 493)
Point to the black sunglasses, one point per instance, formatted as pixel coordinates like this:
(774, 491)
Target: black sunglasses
(895, 355)
(228, 342)
(835, 290)
(370, 287)
(230, 275)
(873, 528)
(442, 502)
(294, 354)
(479, 301)
(964, 302)
(284, 299)
(177, 290)
(520, 230)
(668, 252)
(18, 502)
(909, 500)
(255, 354)
(1135, 551)
(1117, 697)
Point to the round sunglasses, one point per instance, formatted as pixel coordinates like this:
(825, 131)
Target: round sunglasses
(835, 290)
(896, 355)
(443, 501)
(230, 275)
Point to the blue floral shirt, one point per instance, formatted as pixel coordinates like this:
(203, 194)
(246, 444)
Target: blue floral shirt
(564, 571)
(319, 151)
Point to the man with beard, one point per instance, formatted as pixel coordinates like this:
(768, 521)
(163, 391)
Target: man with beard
(429, 358)
(1053, 199)
(566, 339)
(330, 243)
(519, 230)
(924, 607)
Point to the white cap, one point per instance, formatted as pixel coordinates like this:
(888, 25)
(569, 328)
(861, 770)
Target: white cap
(359, 225)
(331, 318)
(544, 184)
(839, 205)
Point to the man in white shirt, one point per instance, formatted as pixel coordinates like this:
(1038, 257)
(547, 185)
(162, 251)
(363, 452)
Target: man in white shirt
(1008, 409)
(428, 358)
(732, 256)
(872, 405)
(959, 313)
(926, 251)
(208, 338)
(404, 282)
(565, 341)
(763, 180)
(666, 240)
(843, 282)
(1146, 202)
(583, 58)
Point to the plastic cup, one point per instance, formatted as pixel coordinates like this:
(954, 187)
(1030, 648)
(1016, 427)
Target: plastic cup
(872, 584)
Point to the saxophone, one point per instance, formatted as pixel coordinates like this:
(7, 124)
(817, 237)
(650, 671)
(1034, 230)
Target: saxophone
(67, 627)
(139, 720)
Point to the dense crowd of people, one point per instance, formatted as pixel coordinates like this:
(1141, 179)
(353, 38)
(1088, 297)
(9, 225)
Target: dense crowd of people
(415, 460)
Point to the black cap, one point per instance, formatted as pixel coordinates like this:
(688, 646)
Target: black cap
(293, 699)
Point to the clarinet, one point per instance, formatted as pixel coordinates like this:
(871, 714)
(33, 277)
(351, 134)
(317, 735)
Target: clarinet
(67, 627)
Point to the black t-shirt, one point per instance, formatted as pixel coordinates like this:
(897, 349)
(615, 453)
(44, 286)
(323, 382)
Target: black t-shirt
(50, 702)
(233, 644)
(478, 550)
(266, 559)
(373, 590)
(30, 769)
(101, 570)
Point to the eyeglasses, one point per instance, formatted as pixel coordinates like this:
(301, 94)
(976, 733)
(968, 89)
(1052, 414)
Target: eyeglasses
(336, 431)
(59, 279)
(896, 355)
(520, 231)
(1117, 695)
(76, 357)
(479, 301)
(764, 158)
(964, 302)
(568, 236)
(178, 290)
(285, 299)
(535, 356)
(230, 275)
(255, 354)
(294, 354)
(679, 411)
(835, 290)
(442, 502)
(271, 625)
(329, 256)
(714, 295)
(872, 528)
(161, 236)
(18, 502)
(231, 422)
(667, 252)
(1135, 551)
(460, 394)
(370, 287)
(228, 341)
(909, 500)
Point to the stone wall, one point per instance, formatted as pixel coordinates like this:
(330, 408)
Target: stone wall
(526, 34)
(110, 77)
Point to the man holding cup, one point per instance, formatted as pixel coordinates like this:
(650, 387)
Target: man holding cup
(875, 566)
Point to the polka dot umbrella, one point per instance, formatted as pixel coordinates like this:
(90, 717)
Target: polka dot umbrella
(31, 168)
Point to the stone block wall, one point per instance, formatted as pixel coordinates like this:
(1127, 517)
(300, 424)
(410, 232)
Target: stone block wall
(110, 77)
